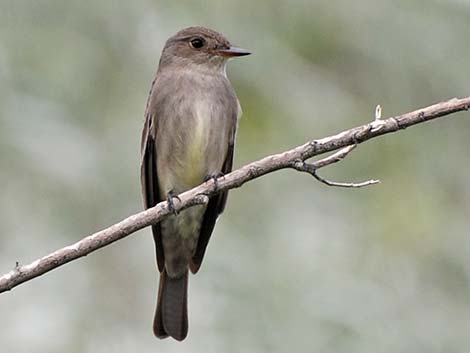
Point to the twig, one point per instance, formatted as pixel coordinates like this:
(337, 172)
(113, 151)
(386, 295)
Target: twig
(345, 185)
(311, 168)
(201, 193)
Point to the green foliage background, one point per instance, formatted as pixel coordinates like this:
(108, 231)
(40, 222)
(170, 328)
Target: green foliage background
(293, 266)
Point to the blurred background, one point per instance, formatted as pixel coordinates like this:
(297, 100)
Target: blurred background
(293, 266)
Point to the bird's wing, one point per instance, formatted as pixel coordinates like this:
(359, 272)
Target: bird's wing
(149, 180)
(216, 203)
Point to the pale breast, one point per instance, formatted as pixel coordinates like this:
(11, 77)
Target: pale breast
(206, 143)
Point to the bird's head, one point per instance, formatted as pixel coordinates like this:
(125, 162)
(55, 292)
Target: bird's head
(199, 46)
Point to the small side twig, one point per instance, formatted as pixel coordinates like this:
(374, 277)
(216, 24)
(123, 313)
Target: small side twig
(345, 185)
(311, 168)
(378, 124)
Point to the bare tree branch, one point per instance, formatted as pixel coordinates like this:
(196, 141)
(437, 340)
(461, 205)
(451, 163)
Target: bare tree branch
(294, 159)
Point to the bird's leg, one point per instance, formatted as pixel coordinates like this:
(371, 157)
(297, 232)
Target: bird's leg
(214, 178)
(171, 205)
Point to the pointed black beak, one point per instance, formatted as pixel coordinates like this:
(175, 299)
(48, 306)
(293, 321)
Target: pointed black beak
(233, 52)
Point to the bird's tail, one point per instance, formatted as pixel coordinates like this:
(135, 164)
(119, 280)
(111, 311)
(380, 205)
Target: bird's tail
(171, 316)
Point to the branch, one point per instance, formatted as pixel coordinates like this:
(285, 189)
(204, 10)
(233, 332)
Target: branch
(293, 159)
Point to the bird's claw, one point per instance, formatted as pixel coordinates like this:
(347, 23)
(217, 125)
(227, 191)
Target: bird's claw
(171, 205)
(214, 177)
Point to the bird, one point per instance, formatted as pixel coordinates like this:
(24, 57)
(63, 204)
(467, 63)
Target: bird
(191, 118)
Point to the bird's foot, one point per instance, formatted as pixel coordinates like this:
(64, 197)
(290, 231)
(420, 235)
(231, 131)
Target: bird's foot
(214, 177)
(171, 205)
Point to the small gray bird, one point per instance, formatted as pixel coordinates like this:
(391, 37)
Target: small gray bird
(189, 135)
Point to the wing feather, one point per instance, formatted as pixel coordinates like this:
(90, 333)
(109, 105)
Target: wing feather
(149, 181)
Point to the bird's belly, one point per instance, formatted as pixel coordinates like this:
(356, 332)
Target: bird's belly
(202, 150)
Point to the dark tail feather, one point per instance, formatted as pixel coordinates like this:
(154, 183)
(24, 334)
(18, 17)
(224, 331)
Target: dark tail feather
(171, 316)
(158, 328)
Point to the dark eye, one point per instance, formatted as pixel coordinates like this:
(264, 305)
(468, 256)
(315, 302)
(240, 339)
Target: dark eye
(197, 43)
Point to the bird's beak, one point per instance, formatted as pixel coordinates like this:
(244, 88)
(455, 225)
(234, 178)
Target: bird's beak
(233, 52)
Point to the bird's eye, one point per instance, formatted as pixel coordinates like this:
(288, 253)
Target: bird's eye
(197, 43)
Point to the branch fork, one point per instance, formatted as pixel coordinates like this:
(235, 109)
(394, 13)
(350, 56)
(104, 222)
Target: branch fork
(311, 168)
